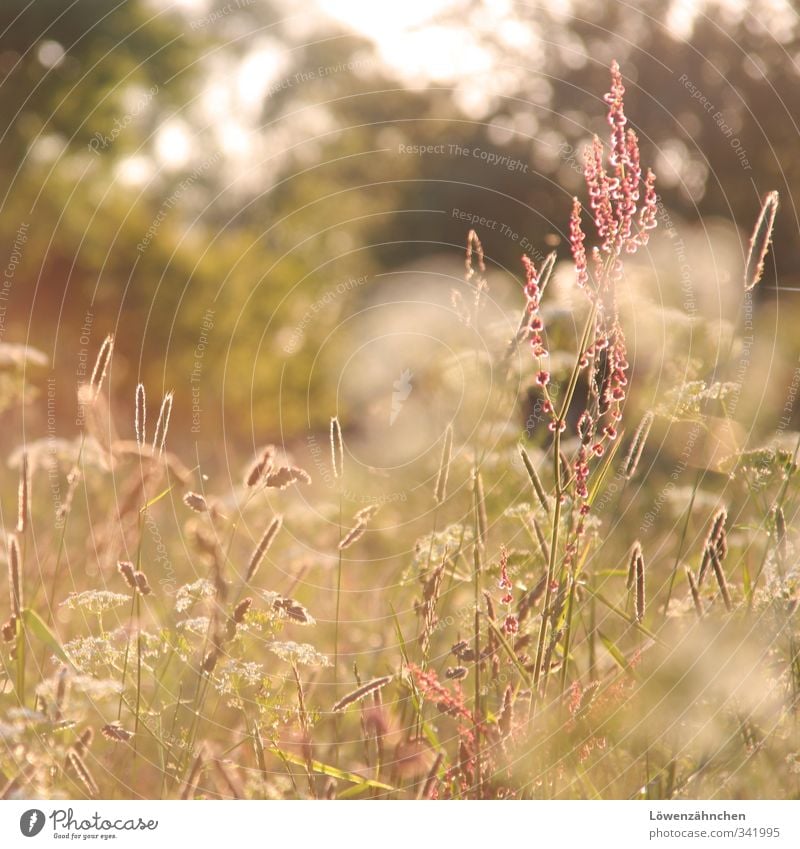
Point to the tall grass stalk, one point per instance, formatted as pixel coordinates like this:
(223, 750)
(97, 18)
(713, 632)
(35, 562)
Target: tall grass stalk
(557, 509)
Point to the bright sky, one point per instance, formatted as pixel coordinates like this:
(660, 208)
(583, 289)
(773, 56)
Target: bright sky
(381, 21)
(419, 40)
(412, 38)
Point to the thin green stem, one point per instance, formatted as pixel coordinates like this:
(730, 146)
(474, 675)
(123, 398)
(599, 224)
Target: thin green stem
(338, 595)
(62, 539)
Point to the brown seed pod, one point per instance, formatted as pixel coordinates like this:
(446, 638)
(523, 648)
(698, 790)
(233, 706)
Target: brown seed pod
(195, 501)
(116, 733)
(128, 572)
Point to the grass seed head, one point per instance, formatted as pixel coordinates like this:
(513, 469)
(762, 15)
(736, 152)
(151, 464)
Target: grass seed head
(337, 448)
(263, 546)
(440, 492)
(14, 576)
(195, 501)
(760, 241)
(101, 366)
(140, 415)
(23, 495)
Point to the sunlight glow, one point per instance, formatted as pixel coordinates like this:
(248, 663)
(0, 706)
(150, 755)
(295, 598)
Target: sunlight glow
(173, 145)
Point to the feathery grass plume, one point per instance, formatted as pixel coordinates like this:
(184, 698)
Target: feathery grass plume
(353, 536)
(367, 513)
(261, 468)
(237, 617)
(14, 576)
(23, 495)
(293, 610)
(444, 466)
(61, 692)
(780, 532)
(506, 718)
(80, 769)
(719, 574)
(240, 611)
(128, 572)
(637, 445)
(73, 479)
(162, 424)
(337, 448)
(362, 692)
(716, 540)
(195, 501)
(760, 241)
(535, 480)
(101, 366)
(636, 553)
(141, 583)
(546, 270)
(362, 518)
(285, 477)
(140, 416)
(473, 246)
(527, 601)
(116, 733)
(84, 741)
(695, 592)
(263, 545)
(480, 507)
(210, 661)
(640, 589)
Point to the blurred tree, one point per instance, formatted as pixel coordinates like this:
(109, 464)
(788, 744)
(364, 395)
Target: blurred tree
(240, 160)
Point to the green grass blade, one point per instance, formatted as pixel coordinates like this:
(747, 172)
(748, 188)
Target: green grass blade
(330, 771)
(36, 626)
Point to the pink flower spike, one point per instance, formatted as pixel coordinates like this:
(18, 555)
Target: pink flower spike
(576, 239)
(616, 115)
